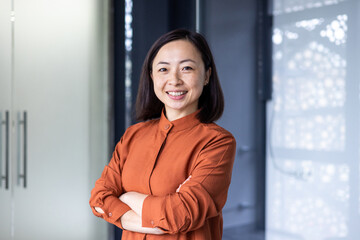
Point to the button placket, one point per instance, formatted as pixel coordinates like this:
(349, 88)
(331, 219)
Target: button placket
(163, 135)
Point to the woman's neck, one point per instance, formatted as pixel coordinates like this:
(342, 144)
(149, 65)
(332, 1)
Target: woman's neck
(172, 115)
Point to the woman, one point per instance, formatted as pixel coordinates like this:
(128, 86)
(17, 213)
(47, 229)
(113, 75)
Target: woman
(169, 175)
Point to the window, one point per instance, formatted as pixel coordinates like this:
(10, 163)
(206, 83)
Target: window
(313, 133)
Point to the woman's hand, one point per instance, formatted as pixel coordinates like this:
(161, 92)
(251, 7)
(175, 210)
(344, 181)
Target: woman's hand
(99, 210)
(178, 189)
(134, 200)
(132, 222)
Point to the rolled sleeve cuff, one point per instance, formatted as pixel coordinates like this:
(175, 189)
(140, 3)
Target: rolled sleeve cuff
(152, 212)
(114, 209)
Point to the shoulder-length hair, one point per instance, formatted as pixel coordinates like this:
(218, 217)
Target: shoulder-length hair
(211, 101)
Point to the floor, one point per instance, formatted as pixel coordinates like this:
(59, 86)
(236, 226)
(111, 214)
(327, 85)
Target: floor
(239, 234)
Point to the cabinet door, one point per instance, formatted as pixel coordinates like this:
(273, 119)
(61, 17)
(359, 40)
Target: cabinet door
(52, 71)
(5, 108)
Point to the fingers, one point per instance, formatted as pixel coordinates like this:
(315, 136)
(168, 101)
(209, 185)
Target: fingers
(178, 189)
(99, 210)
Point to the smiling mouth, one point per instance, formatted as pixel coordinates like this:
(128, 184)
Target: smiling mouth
(176, 94)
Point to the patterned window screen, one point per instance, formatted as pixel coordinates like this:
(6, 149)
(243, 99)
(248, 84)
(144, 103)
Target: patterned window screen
(313, 177)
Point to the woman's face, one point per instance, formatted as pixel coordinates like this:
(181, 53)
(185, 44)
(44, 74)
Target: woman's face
(179, 76)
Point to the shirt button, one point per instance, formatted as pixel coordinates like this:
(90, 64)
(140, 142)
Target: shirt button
(110, 214)
(166, 126)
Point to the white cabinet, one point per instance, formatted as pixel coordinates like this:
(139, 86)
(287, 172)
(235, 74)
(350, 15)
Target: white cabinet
(53, 69)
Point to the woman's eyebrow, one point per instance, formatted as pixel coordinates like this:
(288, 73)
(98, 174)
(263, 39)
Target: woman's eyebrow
(182, 61)
(162, 63)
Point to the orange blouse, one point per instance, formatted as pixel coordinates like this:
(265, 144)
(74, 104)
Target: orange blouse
(156, 158)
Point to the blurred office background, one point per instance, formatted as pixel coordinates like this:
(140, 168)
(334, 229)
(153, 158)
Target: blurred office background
(289, 70)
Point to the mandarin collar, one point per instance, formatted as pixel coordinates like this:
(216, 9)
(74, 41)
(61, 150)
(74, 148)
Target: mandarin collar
(179, 124)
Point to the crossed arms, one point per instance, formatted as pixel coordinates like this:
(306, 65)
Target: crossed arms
(200, 198)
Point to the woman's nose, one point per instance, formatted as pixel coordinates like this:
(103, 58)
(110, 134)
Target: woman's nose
(174, 78)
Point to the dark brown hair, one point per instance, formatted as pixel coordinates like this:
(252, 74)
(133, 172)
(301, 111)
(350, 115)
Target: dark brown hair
(211, 101)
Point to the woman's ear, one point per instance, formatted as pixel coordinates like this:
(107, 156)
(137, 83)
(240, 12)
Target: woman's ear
(207, 76)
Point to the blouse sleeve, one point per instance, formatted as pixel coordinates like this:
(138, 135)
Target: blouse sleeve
(107, 190)
(200, 198)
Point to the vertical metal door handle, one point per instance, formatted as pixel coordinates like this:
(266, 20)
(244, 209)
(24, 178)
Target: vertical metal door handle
(24, 173)
(1, 148)
(25, 149)
(6, 177)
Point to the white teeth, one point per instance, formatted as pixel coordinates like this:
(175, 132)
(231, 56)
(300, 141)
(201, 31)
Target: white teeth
(176, 93)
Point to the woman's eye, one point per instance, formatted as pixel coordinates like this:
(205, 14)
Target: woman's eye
(187, 68)
(162, 70)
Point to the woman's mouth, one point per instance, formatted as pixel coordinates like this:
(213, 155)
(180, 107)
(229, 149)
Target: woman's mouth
(176, 95)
